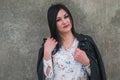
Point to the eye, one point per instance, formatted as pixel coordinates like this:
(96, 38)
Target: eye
(67, 16)
(58, 20)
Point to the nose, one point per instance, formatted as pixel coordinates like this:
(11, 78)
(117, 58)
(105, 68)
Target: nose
(64, 21)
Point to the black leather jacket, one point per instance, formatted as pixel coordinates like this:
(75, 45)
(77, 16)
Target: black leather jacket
(87, 44)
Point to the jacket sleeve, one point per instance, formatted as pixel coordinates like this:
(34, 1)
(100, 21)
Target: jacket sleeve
(99, 61)
(40, 69)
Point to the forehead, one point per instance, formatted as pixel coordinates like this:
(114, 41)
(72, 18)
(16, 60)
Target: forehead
(61, 12)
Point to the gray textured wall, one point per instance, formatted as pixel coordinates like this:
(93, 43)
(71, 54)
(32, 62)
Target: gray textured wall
(23, 24)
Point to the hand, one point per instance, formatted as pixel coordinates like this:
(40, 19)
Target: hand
(81, 57)
(49, 46)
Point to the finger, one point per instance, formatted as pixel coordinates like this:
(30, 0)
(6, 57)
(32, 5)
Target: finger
(48, 37)
(76, 51)
(51, 38)
(81, 51)
(51, 41)
(56, 42)
(76, 57)
(75, 54)
(77, 48)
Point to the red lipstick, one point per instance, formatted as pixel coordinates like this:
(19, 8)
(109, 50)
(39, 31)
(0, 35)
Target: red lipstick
(66, 26)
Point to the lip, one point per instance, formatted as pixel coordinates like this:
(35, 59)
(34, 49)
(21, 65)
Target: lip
(66, 26)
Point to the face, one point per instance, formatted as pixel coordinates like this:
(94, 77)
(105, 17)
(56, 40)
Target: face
(63, 22)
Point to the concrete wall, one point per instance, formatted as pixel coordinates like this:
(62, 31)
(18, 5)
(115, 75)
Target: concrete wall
(23, 25)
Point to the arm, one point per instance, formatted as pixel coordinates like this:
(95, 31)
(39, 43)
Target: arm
(98, 58)
(49, 46)
(96, 65)
(48, 69)
(42, 66)
(45, 55)
(40, 72)
(81, 57)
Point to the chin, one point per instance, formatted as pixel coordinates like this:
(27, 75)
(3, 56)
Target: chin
(66, 31)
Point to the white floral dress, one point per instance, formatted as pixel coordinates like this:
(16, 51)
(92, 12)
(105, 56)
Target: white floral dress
(65, 67)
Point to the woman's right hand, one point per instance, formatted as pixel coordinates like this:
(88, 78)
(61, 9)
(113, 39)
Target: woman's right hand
(49, 46)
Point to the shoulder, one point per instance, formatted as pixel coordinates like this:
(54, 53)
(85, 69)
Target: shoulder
(83, 37)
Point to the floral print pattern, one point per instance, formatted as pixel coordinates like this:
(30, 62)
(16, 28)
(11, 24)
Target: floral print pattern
(65, 67)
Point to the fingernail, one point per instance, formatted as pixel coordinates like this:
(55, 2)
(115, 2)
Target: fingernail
(77, 48)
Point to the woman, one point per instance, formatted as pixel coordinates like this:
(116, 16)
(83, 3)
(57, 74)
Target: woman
(67, 55)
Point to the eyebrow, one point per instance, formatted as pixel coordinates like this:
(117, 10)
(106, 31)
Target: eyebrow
(64, 15)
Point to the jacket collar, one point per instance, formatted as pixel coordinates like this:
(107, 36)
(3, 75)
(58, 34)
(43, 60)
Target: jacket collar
(81, 37)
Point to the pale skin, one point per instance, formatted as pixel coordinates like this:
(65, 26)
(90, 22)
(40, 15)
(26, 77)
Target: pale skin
(64, 26)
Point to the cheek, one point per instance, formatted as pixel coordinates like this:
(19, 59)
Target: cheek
(70, 21)
(58, 25)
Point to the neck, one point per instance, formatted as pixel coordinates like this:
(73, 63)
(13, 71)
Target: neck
(67, 39)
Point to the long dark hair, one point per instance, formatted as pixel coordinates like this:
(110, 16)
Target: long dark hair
(51, 15)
